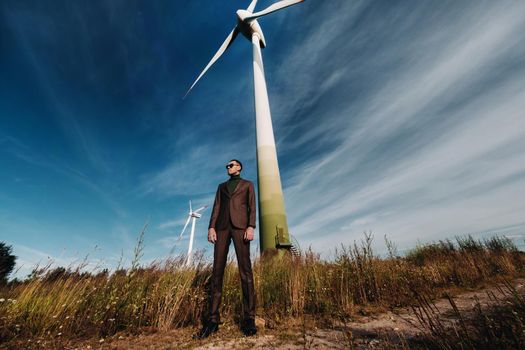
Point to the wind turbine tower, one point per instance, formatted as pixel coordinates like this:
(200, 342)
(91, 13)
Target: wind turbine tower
(273, 225)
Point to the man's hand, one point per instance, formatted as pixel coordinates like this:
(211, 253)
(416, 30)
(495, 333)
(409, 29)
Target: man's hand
(248, 234)
(212, 235)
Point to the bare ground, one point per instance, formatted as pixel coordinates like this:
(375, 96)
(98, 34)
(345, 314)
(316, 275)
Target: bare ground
(397, 328)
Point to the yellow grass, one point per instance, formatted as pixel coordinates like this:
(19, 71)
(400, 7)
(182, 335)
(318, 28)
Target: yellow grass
(68, 303)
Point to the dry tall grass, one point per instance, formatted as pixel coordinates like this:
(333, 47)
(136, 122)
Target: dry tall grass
(68, 303)
(500, 326)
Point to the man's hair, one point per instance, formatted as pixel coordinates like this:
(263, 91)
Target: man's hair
(238, 162)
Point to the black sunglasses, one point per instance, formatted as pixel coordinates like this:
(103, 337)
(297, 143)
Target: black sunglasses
(231, 165)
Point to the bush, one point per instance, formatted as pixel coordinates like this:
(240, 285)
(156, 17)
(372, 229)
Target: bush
(7, 262)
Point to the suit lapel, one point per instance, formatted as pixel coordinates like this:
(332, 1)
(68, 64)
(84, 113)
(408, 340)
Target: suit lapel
(224, 189)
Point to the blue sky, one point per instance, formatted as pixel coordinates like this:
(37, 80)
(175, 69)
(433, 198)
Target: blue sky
(405, 118)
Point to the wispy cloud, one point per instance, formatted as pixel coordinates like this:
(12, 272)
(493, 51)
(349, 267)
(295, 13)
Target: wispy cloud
(77, 134)
(430, 151)
(22, 151)
(28, 259)
(196, 168)
(172, 223)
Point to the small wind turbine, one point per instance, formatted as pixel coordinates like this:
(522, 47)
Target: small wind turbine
(273, 226)
(192, 215)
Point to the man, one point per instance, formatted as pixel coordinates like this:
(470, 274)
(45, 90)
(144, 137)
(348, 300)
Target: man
(232, 217)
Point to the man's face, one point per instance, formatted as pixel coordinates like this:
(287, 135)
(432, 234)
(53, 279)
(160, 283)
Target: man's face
(233, 168)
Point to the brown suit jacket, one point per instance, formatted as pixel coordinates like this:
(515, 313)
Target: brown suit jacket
(239, 207)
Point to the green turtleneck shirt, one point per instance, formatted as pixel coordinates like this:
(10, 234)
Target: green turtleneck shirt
(232, 182)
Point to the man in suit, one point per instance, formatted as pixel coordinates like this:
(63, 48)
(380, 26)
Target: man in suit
(232, 218)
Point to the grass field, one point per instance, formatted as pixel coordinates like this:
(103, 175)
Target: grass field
(67, 303)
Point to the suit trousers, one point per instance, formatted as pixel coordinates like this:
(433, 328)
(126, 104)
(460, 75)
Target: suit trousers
(220, 255)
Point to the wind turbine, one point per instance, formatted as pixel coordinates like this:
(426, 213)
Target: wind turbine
(273, 226)
(192, 215)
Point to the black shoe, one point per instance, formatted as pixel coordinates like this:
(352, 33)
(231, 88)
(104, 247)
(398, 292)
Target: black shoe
(248, 328)
(209, 328)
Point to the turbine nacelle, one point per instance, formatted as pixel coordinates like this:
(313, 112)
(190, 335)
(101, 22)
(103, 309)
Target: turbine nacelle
(242, 15)
(249, 26)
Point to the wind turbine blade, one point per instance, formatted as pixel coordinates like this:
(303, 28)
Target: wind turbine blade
(191, 211)
(180, 236)
(185, 225)
(198, 210)
(229, 40)
(252, 6)
(272, 8)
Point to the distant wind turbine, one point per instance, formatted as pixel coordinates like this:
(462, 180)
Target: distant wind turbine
(273, 225)
(192, 215)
